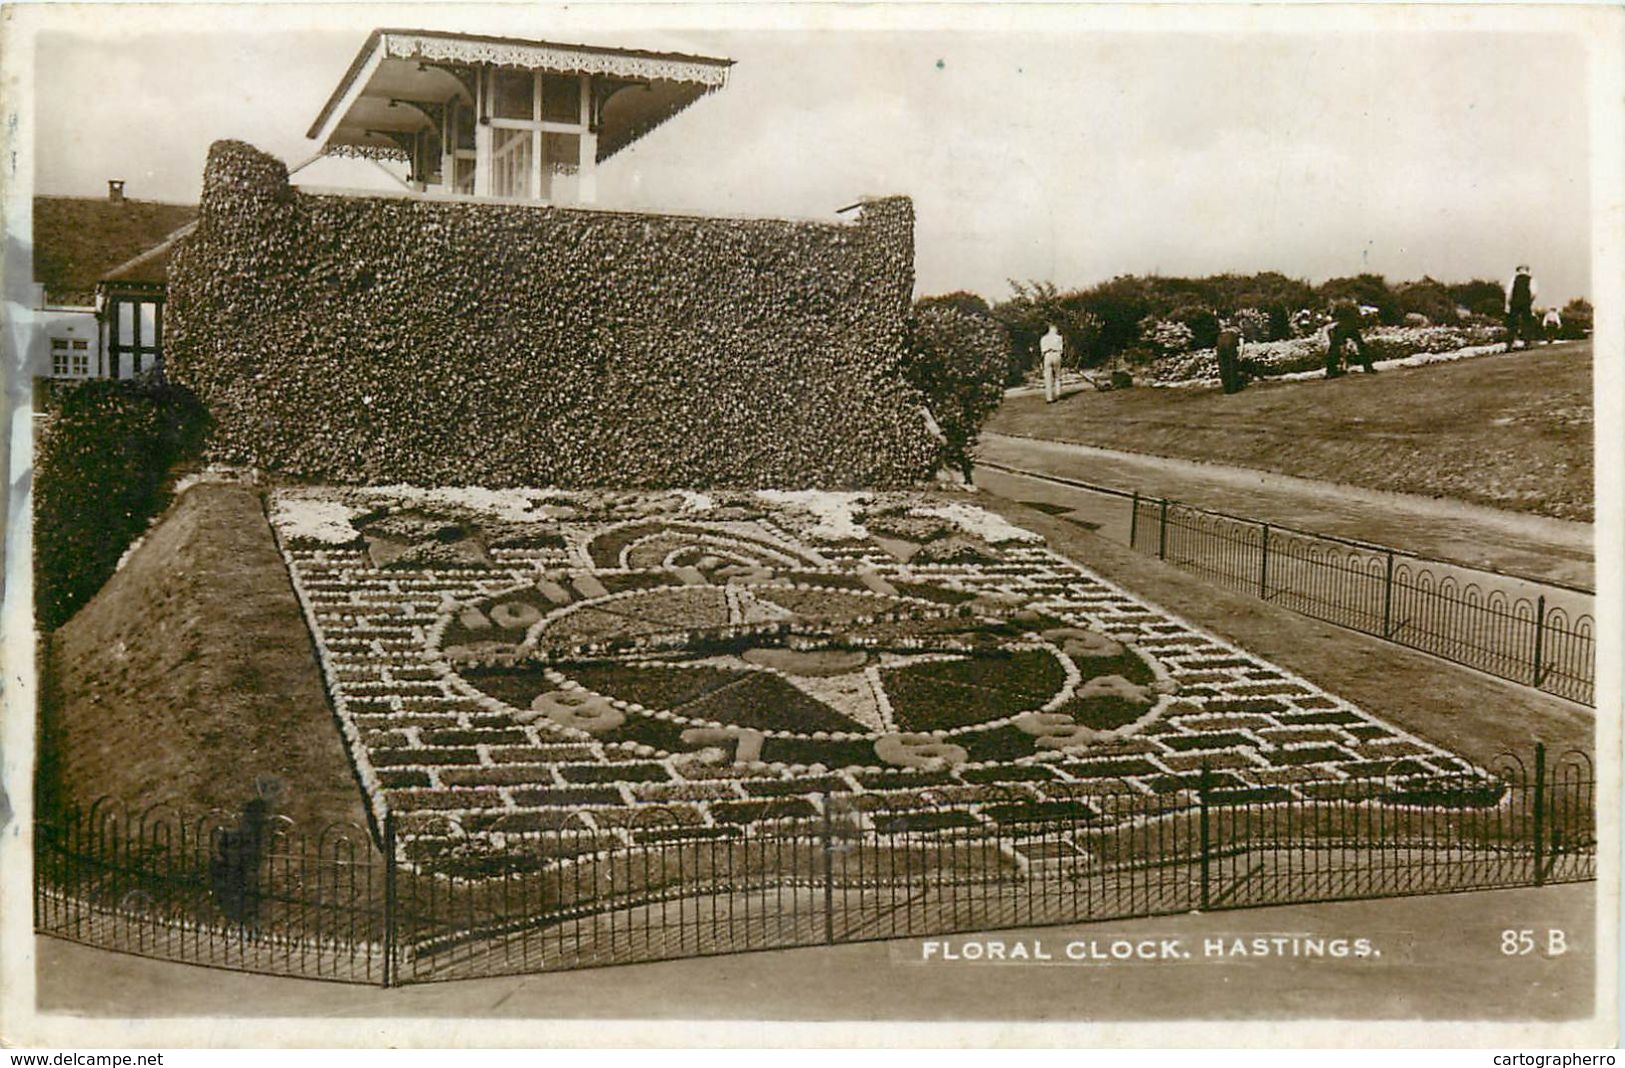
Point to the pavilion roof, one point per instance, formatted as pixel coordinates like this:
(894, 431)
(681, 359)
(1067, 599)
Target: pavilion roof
(396, 66)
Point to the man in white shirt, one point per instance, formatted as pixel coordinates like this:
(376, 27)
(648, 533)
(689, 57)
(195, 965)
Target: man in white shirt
(1050, 346)
(1552, 324)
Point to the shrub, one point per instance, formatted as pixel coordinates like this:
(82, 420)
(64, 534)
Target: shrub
(1203, 325)
(958, 362)
(1255, 324)
(376, 339)
(1577, 316)
(1166, 335)
(100, 463)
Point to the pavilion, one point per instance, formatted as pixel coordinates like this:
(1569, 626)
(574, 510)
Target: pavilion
(502, 118)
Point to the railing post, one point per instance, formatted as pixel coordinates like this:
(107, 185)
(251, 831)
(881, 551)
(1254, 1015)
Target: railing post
(829, 874)
(1134, 521)
(1540, 634)
(1162, 532)
(1202, 818)
(1264, 562)
(391, 966)
(1388, 597)
(1540, 814)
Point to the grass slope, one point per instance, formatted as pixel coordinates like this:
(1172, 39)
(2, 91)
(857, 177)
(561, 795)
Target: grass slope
(191, 675)
(1510, 432)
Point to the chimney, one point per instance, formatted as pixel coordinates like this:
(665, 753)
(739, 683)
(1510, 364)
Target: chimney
(115, 191)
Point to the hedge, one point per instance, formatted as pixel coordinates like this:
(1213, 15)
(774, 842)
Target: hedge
(377, 339)
(100, 465)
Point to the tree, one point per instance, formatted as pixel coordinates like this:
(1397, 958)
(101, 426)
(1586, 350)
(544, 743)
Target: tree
(1365, 289)
(1480, 297)
(959, 300)
(958, 361)
(1427, 297)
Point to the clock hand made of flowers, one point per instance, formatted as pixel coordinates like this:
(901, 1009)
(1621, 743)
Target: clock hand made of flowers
(722, 662)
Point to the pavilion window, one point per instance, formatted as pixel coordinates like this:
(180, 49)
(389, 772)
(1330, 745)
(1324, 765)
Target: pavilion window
(561, 99)
(538, 130)
(59, 357)
(459, 145)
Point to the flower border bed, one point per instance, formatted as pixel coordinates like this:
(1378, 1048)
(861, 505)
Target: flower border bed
(426, 743)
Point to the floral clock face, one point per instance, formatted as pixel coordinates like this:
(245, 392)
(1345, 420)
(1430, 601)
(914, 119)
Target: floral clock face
(724, 662)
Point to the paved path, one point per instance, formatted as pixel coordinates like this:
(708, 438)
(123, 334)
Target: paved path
(1472, 535)
(1437, 958)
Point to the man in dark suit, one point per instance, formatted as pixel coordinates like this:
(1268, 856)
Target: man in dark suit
(1345, 329)
(1231, 377)
(1521, 294)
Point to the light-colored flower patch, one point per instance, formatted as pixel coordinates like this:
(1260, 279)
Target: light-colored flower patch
(1296, 359)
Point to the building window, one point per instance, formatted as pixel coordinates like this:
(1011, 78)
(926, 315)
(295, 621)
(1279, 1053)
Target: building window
(60, 365)
(81, 358)
(539, 135)
(135, 332)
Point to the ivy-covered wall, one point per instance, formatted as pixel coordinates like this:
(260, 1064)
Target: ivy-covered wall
(373, 339)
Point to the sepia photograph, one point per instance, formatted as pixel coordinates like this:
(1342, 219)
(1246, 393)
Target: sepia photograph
(914, 524)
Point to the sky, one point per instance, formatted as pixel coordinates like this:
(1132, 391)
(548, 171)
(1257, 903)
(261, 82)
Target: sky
(1038, 151)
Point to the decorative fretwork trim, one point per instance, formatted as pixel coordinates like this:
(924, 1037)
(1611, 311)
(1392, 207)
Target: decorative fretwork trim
(555, 58)
(379, 152)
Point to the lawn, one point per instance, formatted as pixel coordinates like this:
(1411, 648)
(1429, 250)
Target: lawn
(1511, 432)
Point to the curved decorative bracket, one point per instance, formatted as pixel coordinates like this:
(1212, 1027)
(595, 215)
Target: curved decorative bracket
(435, 113)
(464, 74)
(603, 89)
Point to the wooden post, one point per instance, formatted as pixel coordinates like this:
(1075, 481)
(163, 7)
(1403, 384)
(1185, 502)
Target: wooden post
(1134, 520)
(482, 131)
(587, 165)
(1162, 531)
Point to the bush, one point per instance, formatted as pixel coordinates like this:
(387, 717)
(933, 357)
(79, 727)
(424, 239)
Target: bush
(100, 464)
(378, 339)
(1255, 324)
(1577, 316)
(1167, 336)
(1203, 325)
(958, 362)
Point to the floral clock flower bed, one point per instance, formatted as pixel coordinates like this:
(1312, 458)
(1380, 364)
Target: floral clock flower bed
(523, 661)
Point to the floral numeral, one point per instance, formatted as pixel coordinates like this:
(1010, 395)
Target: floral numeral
(747, 743)
(1054, 730)
(1115, 686)
(579, 711)
(1075, 642)
(918, 751)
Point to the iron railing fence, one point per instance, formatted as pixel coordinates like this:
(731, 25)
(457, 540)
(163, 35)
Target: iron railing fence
(248, 892)
(1532, 631)
(1542, 639)
(259, 895)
